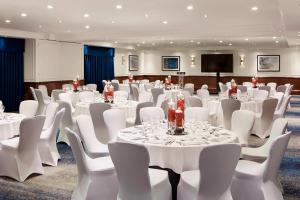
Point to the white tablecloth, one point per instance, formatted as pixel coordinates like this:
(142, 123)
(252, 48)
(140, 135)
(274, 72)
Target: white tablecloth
(125, 87)
(9, 125)
(179, 153)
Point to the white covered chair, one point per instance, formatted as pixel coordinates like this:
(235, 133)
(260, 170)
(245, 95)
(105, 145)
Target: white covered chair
(137, 119)
(194, 101)
(67, 121)
(279, 96)
(47, 144)
(145, 96)
(278, 128)
(91, 86)
(196, 114)
(281, 88)
(213, 179)
(228, 107)
(93, 147)
(135, 92)
(280, 112)
(115, 120)
(272, 84)
(155, 93)
(160, 99)
(101, 131)
(29, 108)
(148, 114)
(96, 176)
(67, 97)
(266, 88)
(260, 95)
(43, 103)
(264, 120)
(44, 90)
(241, 124)
(136, 180)
(55, 94)
(242, 88)
(33, 93)
(203, 93)
(258, 181)
(118, 95)
(19, 156)
(189, 87)
(50, 113)
(86, 96)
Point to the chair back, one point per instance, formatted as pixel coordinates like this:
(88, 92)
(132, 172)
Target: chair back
(247, 84)
(115, 120)
(138, 108)
(55, 94)
(260, 95)
(29, 108)
(67, 120)
(40, 99)
(155, 93)
(91, 86)
(30, 132)
(160, 99)
(135, 92)
(33, 93)
(115, 85)
(131, 164)
(266, 88)
(242, 88)
(52, 131)
(203, 93)
(241, 124)
(281, 88)
(51, 111)
(152, 114)
(86, 96)
(283, 107)
(276, 153)
(228, 107)
(272, 84)
(223, 88)
(96, 111)
(189, 87)
(289, 90)
(115, 81)
(279, 96)
(145, 96)
(196, 113)
(195, 101)
(44, 90)
(217, 165)
(165, 107)
(267, 114)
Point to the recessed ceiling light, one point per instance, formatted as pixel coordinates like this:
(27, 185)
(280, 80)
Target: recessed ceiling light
(7, 21)
(246, 39)
(190, 7)
(113, 22)
(23, 15)
(59, 21)
(191, 41)
(230, 44)
(138, 45)
(165, 22)
(146, 15)
(153, 44)
(205, 16)
(274, 37)
(86, 15)
(221, 41)
(299, 35)
(87, 27)
(119, 6)
(171, 42)
(254, 8)
(276, 41)
(116, 42)
(40, 26)
(198, 42)
(49, 6)
(143, 42)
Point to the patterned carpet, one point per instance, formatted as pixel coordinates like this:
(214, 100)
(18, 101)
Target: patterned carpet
(58, 182)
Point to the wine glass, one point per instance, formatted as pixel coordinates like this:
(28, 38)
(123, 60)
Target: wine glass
(172, 127)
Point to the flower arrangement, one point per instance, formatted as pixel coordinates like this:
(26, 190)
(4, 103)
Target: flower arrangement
(233, 89)
(76, 83)
(108, 92)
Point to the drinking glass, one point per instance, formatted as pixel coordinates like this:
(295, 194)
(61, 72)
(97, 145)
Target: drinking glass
(172, 127)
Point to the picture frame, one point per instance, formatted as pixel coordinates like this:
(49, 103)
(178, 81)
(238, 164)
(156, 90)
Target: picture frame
(268, 63)
(170, 63)
(133, 62)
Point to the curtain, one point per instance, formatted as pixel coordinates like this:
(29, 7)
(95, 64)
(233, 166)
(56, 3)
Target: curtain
(11, 72)
(98, 65)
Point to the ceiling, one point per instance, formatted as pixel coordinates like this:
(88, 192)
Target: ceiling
(140, 24)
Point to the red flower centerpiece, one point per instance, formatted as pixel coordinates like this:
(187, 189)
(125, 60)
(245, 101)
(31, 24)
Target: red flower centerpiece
(179, 120)
(233, 89)
(76, 83)
(130, 78)
(254, 81)
(108, 93)
(180, 101)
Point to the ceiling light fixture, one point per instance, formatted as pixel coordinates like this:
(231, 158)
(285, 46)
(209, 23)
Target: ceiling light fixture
(230, 44)
(146, 15)
(86, 15)
(116, 42)
(274, 37)
(246, 39)
(59, 21)
(165, 22)
(87, 27)
(119, 6)
(171, 42)
(113, 22)
(221, 41)
(7, 21)
(190, 7)
(191, 41)
(198, 42)
(276, 41)
(49, 6)
(23, 15)
(143, 42)
(138, 45)
(40, 26)
(205, 16)
(254, 8)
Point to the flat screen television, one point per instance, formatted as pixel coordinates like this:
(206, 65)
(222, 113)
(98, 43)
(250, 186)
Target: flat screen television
(217, 63)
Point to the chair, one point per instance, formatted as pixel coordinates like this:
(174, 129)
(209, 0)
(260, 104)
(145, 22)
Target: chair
(55, 94)
(44, 90)
(67, 121)
(136, 180)
(281, 88)
(47, 144)
(50, 113)
(91, 86)
(19, 156)
(96, 176)
(120, 95)
(186, 95)
(135, 92)
(33, 93)
(155, 93)
(213, 179)
(152, 114)
(279, 96)
(241, 124)
(137, 119)
(266, 88)
(29, 108)
(194, 101)
(189, 87)
(263, 120)
(272, 84)
(42, 102)
(278, 128)
(115, 81)
(228, 107)
(223, 88)
(196, 113)
(289, 90)
(242, 88)
(97, 110)
(165, 107)
(260, 95)
(204, 87)
(115, 85)
(93, 147)
(145, 96)
(86, 96)
(280, 112)
(115, 120)
(254, 180)
(67, 97)
(203, 93)
(160, 99)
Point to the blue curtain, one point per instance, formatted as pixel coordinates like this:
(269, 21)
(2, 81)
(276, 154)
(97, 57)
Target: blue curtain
(98, 65)
(11, 72)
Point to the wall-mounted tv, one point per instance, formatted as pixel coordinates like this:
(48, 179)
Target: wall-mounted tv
(217, 63)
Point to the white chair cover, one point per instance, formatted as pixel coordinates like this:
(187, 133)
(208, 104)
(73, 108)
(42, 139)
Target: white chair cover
(91, 86)
(55, 94)
(67, 97)
(194, 101)
(42, 102)
(196, 114)
(279, 96)
(67, 87)
(260, 95)
(272, 84)
(51, 111)
(29, 108)
(280, 112)
(33, 93)
(155, 93)
(145, 97)
(228, 107)
(148, 114)
(281, 88)
(203, 93)
(115, 120)
(44, 90)
(160, 99)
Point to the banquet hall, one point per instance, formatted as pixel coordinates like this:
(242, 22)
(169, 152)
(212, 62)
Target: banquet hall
(150, 100)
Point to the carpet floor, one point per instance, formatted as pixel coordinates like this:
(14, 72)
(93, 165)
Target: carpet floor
(58, 182)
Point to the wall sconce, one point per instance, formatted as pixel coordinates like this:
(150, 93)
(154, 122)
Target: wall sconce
(193, 60)
(242, 61)
(123, 60)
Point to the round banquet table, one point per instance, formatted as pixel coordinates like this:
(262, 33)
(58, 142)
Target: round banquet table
(176, 152)
(128, 106)
(9, 125)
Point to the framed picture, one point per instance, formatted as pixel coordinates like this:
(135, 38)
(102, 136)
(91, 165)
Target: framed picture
(133, 62)
(170, 63)
(268, 63)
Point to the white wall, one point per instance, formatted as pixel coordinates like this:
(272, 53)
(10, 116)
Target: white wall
(29, 60)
